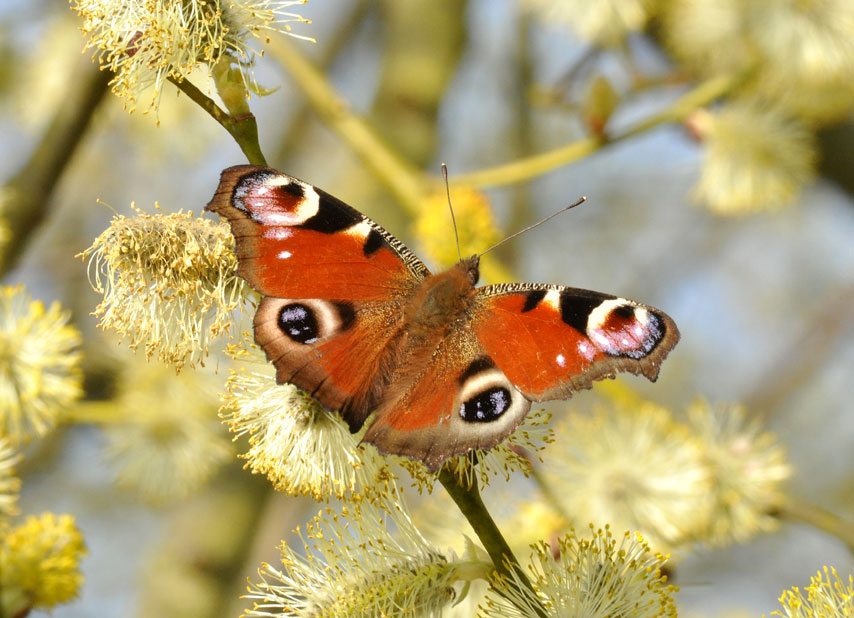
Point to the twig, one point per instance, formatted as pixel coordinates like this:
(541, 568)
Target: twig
(467, 498)
(536, 165)
(243, 128)
(796, 510)
(298, 123)
(398, 175)
(29, 190)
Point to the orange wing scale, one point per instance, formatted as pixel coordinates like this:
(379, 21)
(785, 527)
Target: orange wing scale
(551, 341)
(307, 265)
(535, 349)
(294, 240)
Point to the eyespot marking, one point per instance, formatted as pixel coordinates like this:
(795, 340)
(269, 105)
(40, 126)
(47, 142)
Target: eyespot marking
(620, 327)
(346, 315)
(486, 395)
(487, 405)
(586, 350)
(294, 189)
(298, 322)
(274, 199)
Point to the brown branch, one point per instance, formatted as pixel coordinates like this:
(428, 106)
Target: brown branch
(28, 192)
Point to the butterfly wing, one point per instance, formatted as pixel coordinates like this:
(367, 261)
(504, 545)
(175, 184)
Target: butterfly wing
(333, 283)
(520, 343)
(457, 402)
(336, 291)
(294, 240)
(551, 341)
(341, 352)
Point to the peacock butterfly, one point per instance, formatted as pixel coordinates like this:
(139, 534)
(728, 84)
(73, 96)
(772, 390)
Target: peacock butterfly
(353, 317)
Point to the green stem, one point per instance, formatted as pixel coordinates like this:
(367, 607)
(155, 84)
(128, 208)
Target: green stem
(797, 510)
(243, 128)
(467, 498)
(536, 165)
(94, 411)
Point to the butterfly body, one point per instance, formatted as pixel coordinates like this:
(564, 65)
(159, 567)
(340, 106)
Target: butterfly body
(350, 315)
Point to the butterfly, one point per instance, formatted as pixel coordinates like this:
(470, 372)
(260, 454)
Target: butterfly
(354, 318)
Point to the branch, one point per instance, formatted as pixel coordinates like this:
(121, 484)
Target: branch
(28, 192)
(398, 175)
(796, 510)
(243, 128)
(537, 165)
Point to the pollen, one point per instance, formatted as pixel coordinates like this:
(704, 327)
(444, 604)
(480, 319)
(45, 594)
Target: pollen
(594, 575)
(40, 375)
(302, 448)
(144, 42)
(40, 562)
(474, 219)
(169, 283)
(10, 485)
(756, 158)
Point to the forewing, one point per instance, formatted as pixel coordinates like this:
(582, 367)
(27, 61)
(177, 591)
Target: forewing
(294, 240)
(333, 282)
(551, 341)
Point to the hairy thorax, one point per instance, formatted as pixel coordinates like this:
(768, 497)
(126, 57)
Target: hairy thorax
(438, 306)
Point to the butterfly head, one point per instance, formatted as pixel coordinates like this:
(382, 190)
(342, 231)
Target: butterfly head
(471, 268)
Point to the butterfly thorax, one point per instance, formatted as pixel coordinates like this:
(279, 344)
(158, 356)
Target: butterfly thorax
(438, 306)
(441, 300)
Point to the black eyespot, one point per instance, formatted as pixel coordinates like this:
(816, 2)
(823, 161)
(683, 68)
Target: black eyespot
(346, 314)
(294, 189)
(298, 322)
(486, 406)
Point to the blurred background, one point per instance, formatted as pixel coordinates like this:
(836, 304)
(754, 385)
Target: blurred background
(735, 216)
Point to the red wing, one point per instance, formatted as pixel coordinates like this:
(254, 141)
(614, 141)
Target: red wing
(460, 401)
(551, 341)
(334, 350)
(296, 241)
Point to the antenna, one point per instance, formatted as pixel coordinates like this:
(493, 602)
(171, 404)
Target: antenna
(580, 200)
(453, 219)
